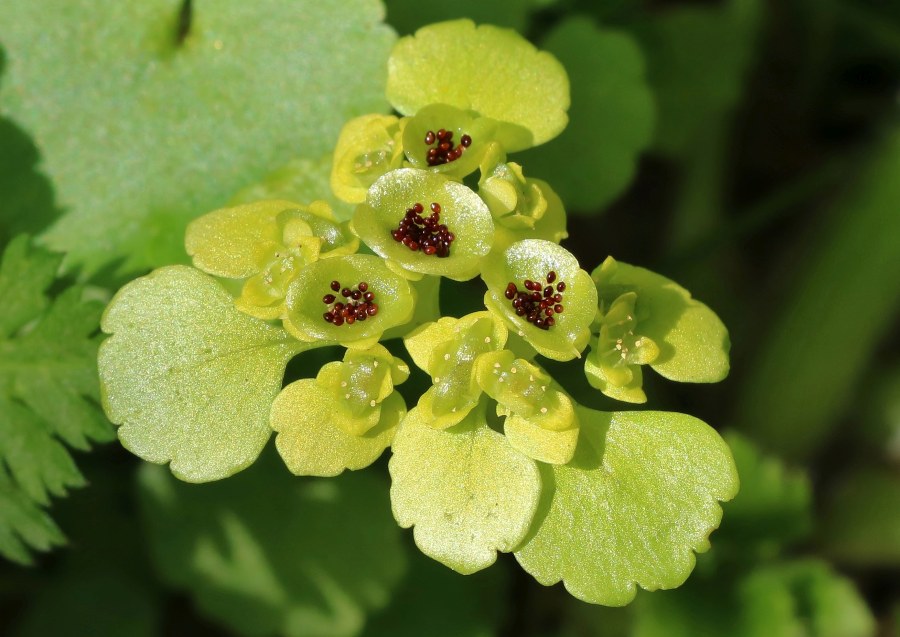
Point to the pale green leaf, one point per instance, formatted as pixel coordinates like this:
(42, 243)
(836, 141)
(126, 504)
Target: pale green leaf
(492, 71)
(48, 394)
(639, 497)
(465, 490)
(611, 119)
(266, 553)
(141, 130)
(312, 444)
(188, 377)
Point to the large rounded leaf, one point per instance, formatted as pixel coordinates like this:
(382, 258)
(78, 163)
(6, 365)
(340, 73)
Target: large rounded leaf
(639, 497)
(189, 378)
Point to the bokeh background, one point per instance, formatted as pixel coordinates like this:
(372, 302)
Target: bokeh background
(748, 149)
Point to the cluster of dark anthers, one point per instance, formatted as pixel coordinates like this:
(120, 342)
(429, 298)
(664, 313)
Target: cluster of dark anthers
(538, 303)
(427, 234)
(359, 304)
(445, 151)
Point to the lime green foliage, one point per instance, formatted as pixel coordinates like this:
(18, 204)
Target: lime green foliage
(773, 509)
(533, 259)
(448, 350)
(393, 296)
(540, 417)
(345, 418)
(267, 244)
(861, 522)
(461, 210)
(612, 115)
(523, 208)
(368, 147)
(858, 255)
(189, 378)
(265, 553)
(492, 71)
(639, 497)
(692, 342)
(466, 491)
(693, 88)
(784, 600)
(140, 132)
(48, 385)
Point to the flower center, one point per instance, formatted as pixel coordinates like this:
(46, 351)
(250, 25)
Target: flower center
(441, 148)
(358, 304)
(427, 234)
(538, 303)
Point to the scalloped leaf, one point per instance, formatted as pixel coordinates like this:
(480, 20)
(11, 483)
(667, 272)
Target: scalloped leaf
(466, 491)
(140, 129)
(189, 378)
(639, 497)
(611, 119)
(265, 553)
(487, 69)
(311, 444)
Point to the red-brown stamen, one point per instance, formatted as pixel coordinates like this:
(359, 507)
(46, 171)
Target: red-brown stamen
(537, 303)
(441, 148)
(427, 234)
(357, 304)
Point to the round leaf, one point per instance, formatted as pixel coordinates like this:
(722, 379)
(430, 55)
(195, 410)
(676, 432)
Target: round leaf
(466, 491)
(189, 378)
(639, 497)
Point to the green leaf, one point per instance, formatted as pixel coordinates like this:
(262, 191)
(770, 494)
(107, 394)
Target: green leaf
(611, 119)
(693, 343)
(48, 391)
(639, 497)
(492, 71)
(466, 491)
(266, 553)
(189, 378)
(774, 506)
(141, 130)
(24, 524)
(312, 444)
(861, 522)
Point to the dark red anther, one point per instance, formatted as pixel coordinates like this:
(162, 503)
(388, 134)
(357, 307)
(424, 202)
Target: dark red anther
(445, 151)
(551, 276)
(436, 208)
(466, 141)
(328, 299)
(429, 137)
(536, 302)
(363, 287)
(335, 285)
(561, 286)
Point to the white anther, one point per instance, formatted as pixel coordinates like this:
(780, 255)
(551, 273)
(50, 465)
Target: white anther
(343, 383)
(487, 339)
(446, 357)
(347, 396)
(513, 370)
(372, 403)
(543, 410)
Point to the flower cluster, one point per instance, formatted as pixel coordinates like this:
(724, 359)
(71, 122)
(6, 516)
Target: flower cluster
(300, 278)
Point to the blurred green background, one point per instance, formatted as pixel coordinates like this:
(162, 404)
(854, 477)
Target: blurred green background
(748, 149)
